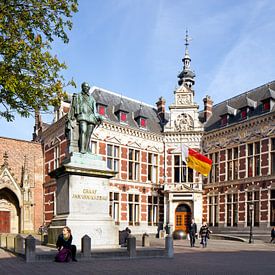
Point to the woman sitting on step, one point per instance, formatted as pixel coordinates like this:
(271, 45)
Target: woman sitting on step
(66, 251)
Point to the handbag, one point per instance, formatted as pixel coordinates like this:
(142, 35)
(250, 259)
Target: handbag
(64, 255)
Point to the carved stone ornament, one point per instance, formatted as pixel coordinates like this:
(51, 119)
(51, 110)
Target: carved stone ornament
(183, 123)
(183, 99)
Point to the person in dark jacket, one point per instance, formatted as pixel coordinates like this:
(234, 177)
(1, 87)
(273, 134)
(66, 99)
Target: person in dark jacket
(273, 235)
(192, 232)
(204, 233)
(64, 243)
(123, 236)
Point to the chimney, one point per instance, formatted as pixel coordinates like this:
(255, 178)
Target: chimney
(161, 108)
(207, 112)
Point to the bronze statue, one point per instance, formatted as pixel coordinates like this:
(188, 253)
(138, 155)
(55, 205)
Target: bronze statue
(83, 114)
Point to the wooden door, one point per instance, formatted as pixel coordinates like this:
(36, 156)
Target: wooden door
(4, 222)
(182, 221)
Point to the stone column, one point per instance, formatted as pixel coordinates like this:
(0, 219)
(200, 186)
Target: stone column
(86, 246)
(19, 244)
(131, 246)
(169, 248)
(30, 249)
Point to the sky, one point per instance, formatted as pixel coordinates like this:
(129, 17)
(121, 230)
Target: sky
(135, 48)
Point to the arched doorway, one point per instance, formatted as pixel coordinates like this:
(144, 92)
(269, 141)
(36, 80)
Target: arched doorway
(182, 217)
(9, 212)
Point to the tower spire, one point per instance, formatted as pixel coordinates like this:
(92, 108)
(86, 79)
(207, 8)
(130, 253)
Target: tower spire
(187, 76)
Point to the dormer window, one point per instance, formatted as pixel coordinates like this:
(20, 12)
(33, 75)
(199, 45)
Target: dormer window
(122, 116)
(143, 122)
(244, 113)
(101, 109)
(266, 105)
(224, 120)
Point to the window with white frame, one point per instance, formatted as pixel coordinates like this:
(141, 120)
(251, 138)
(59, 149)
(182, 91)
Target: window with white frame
(152, 168)
(232, 163)
(114, 206)
(253, 197)
(133, 209)
(153, 210)
(272, 156)
(113, 157)
(133, 164)
(213, 213)
(253, 159)
(93, 147)
(56, 156)
(181, 172)
(272, 207)
(232, 209)
(214, 172)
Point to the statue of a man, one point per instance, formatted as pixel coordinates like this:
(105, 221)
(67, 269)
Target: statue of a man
(83, 112)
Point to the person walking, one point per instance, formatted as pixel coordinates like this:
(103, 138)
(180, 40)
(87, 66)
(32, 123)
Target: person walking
(204, 234)
(192, 232)
(272, 235)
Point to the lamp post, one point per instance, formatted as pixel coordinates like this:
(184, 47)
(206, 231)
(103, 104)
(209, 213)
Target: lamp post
(251, 208)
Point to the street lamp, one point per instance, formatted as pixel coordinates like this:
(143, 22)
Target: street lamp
(251, 209)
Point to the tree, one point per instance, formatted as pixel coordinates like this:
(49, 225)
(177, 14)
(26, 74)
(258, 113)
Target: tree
(30, 76)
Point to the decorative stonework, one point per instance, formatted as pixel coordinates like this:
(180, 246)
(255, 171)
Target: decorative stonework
(184, 99)
(183, 123)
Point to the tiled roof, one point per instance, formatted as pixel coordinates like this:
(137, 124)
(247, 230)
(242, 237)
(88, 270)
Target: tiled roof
(252, 99)
(116, 102)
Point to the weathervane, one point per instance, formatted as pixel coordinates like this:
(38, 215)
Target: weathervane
(187, 38)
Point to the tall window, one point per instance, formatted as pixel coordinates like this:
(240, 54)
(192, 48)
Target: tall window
(272, 207)
(272, 156)
(133, 164)
(133, 209)
(56, 156)
(213, 214)
(113, 157)
(114, 206)
(232, 163)
(253, 159)
(93, 147)
(253, 197)
(152, 210)
(181, 172)
(214, 172)
(232, 209)
(152, 171)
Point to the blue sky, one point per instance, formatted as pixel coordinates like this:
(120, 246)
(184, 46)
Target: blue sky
(135, 47)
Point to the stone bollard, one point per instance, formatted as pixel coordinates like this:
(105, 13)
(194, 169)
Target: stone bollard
(145, 240)
(45, 239)
(169, 249)
(30, 249)
(131, 246)
(19, 244)
(86, 246)
(3, 241)
(10, 242)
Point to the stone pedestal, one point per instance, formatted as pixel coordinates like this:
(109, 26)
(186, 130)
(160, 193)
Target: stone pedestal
(82, 201)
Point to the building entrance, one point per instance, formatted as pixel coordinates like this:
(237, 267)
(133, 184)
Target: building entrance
(4, 221)
(182, 217)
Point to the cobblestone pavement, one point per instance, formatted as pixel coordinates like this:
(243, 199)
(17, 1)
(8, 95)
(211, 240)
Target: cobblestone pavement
(220, 257)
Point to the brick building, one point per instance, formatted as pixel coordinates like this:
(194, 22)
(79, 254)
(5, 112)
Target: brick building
(142, 143)
(21, 186)
(240, 139)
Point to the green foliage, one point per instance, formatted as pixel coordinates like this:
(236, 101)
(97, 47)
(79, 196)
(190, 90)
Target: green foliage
(30, 76)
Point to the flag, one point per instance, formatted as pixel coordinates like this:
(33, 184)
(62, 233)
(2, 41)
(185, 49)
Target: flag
(195, 160)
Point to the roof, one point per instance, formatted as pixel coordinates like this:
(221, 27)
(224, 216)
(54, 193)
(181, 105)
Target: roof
(252, 99)
(116, 102)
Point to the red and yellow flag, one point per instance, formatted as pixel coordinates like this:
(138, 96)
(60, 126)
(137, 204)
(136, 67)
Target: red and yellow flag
(196, 161)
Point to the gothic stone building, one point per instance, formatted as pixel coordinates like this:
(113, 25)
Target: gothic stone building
(240, 139)
(21, 186)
